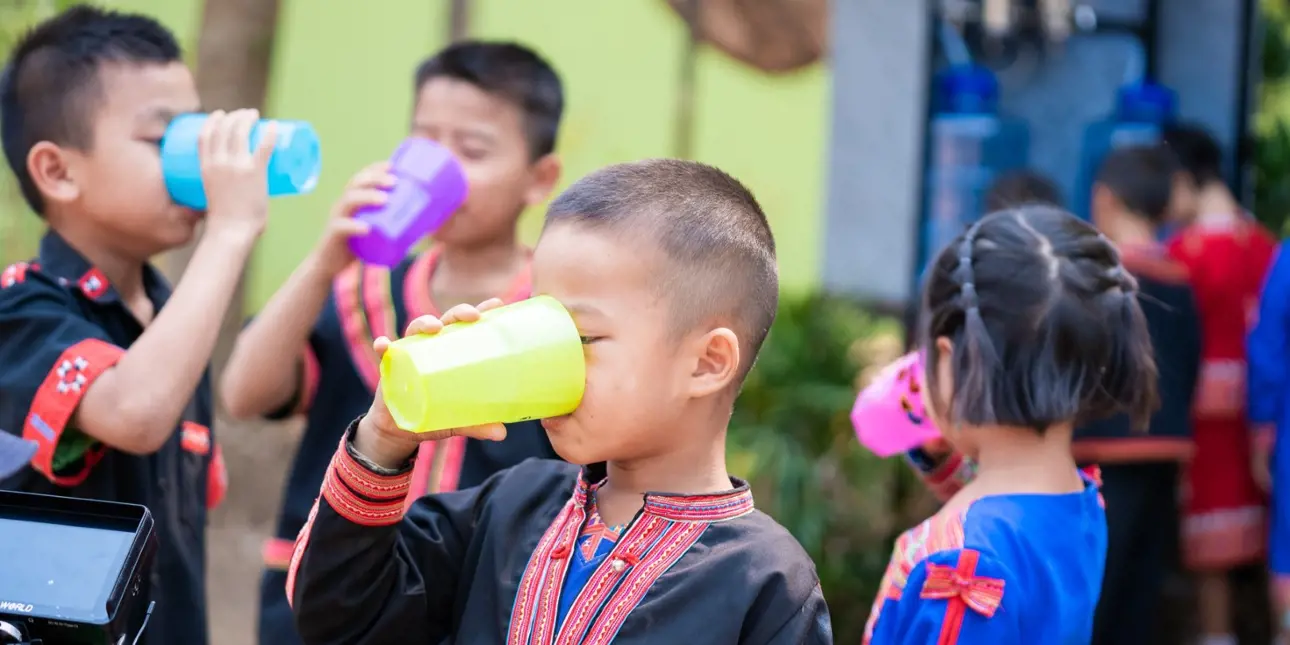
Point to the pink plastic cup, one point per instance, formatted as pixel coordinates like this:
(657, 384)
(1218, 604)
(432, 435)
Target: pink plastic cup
(888, 415)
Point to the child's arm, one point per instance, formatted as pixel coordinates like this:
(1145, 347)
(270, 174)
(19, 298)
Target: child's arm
(959, 596)
(1267, 354)
(264, 372)
(61, 372)
(809, 624)
(363, 572)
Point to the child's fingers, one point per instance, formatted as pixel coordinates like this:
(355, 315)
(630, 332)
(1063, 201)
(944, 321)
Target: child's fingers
(491, 303)
(356, 198)
(424, 325)
(236, 135)
(351, 227)
(376, 175)
(268, 139)
(380, 345)
(487, 432)
(206, 138)
(460, 313)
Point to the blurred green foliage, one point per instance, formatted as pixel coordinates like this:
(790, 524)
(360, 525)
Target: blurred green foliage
(1272, 122)
(19, 229)
(791, 436)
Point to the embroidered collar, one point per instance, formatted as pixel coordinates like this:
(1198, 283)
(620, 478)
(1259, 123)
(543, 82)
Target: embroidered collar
(416, 285)
(709, 507)
(60, 260)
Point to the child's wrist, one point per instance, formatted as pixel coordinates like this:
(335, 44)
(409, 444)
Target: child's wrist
(379, 447)
(326, 261)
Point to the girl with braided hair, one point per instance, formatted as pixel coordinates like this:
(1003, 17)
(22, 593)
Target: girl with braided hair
(1030, 325)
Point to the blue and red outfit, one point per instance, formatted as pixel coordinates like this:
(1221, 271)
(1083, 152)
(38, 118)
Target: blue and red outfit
(1005, 570)
(1269, 389)
(340, 371)
(62, 325)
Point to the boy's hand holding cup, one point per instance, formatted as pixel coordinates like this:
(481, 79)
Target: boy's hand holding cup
(379, 438)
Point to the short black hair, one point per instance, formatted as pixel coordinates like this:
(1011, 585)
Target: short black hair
(1044, 321)
(1197, 151)
(1142, 177)
(50, 88)
(709, 227)
(1021, 188)
(510, 71)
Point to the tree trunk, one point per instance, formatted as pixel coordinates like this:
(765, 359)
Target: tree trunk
(234, 52)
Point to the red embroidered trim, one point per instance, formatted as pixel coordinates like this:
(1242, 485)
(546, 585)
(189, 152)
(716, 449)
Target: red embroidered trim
(353, 321)
(416, 285)
(298, 554)
(310, 375)
(544, 575)
(56, 399)
(277, 553)
(643, 553)
(367, 483)
(378, 302)
(195, 438)
(701, 508)
(449, 472)
(964, 590)
(604, 579)
(216, 479)
(14, 274)
(676, 540)
(94, 284)
(950, 477)
(361, 496)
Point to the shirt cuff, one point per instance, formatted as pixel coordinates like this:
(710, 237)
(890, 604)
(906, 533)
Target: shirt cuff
(362, 492)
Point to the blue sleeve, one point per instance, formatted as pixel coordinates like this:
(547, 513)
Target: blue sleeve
(960, 596)
(1267, 347)
(51, 356)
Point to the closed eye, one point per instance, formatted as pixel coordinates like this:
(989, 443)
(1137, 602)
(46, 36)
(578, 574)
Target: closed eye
(587, 340)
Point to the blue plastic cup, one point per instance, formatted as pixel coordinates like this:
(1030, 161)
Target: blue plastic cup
(293, 168)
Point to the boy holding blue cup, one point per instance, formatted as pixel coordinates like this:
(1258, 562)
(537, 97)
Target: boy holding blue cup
(104, 365)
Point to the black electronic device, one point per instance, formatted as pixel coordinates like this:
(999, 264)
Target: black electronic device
(73, 571)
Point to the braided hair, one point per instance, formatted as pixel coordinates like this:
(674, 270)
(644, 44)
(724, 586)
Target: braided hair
(1044, 322)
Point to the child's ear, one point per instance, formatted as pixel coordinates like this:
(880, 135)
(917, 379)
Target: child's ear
(544, 174)
(52, 170)
(716, 362)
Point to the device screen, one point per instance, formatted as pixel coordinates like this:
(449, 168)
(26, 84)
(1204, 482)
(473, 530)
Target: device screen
(62, 568)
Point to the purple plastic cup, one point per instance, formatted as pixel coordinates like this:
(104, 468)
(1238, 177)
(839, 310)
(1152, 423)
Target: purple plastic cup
(431, 186)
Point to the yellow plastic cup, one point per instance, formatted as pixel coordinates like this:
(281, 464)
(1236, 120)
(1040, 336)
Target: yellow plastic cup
(519, 362)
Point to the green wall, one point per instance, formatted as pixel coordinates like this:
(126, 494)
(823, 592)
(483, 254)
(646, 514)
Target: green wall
(347, 66)
(347, 69)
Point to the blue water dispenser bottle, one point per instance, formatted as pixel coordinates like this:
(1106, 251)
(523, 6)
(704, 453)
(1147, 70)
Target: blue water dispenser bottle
(1142, 109)
(969, 144)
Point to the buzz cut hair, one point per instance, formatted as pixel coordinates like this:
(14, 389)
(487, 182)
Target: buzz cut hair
(717, 246)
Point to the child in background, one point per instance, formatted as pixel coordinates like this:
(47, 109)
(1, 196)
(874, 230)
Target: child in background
(1227, 254)
(668, 268)
(1141, 467)
(1269, 352)
(1012, 189)
(1020, 188)
(1030, 323)
(497, 107)
(102, 365)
